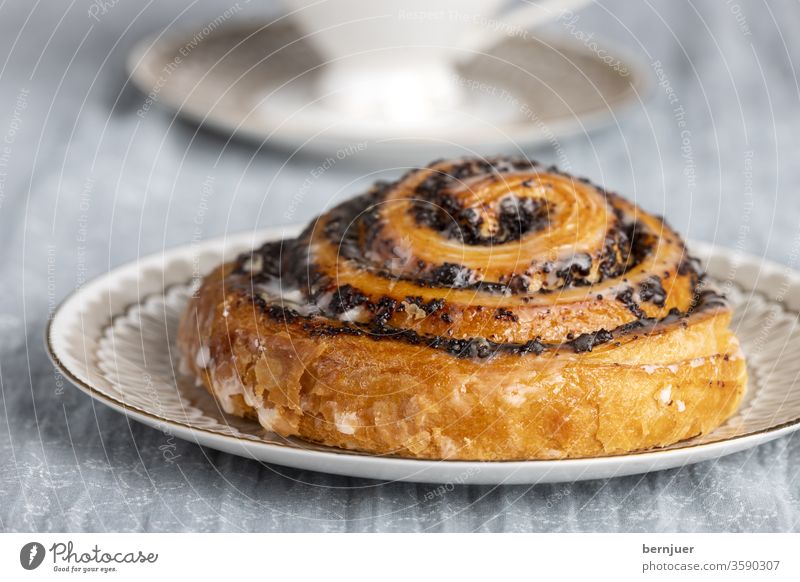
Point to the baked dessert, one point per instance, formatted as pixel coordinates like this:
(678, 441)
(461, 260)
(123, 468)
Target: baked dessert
(473, 309)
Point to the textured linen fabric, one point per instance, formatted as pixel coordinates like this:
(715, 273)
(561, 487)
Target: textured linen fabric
(86, 184)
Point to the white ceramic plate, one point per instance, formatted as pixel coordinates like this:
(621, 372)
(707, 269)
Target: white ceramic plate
(114, 339)
(258, 81)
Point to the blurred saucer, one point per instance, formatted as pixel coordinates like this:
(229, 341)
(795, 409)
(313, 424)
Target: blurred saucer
(259, 82)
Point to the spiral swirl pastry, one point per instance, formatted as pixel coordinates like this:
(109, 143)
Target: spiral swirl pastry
(473, 309)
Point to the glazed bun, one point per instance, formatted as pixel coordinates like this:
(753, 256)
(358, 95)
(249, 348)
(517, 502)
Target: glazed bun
(487, 309)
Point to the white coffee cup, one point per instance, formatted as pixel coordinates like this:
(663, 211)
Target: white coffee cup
(393, 60)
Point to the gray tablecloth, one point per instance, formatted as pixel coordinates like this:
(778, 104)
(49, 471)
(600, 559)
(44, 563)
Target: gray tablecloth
(86, 184)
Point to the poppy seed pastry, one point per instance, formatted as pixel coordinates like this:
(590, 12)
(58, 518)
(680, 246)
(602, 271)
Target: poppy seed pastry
(483, 309)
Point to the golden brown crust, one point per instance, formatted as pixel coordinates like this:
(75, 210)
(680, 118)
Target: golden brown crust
(351, 349)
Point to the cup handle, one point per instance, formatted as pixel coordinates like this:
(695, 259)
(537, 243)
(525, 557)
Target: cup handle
(519, 18)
